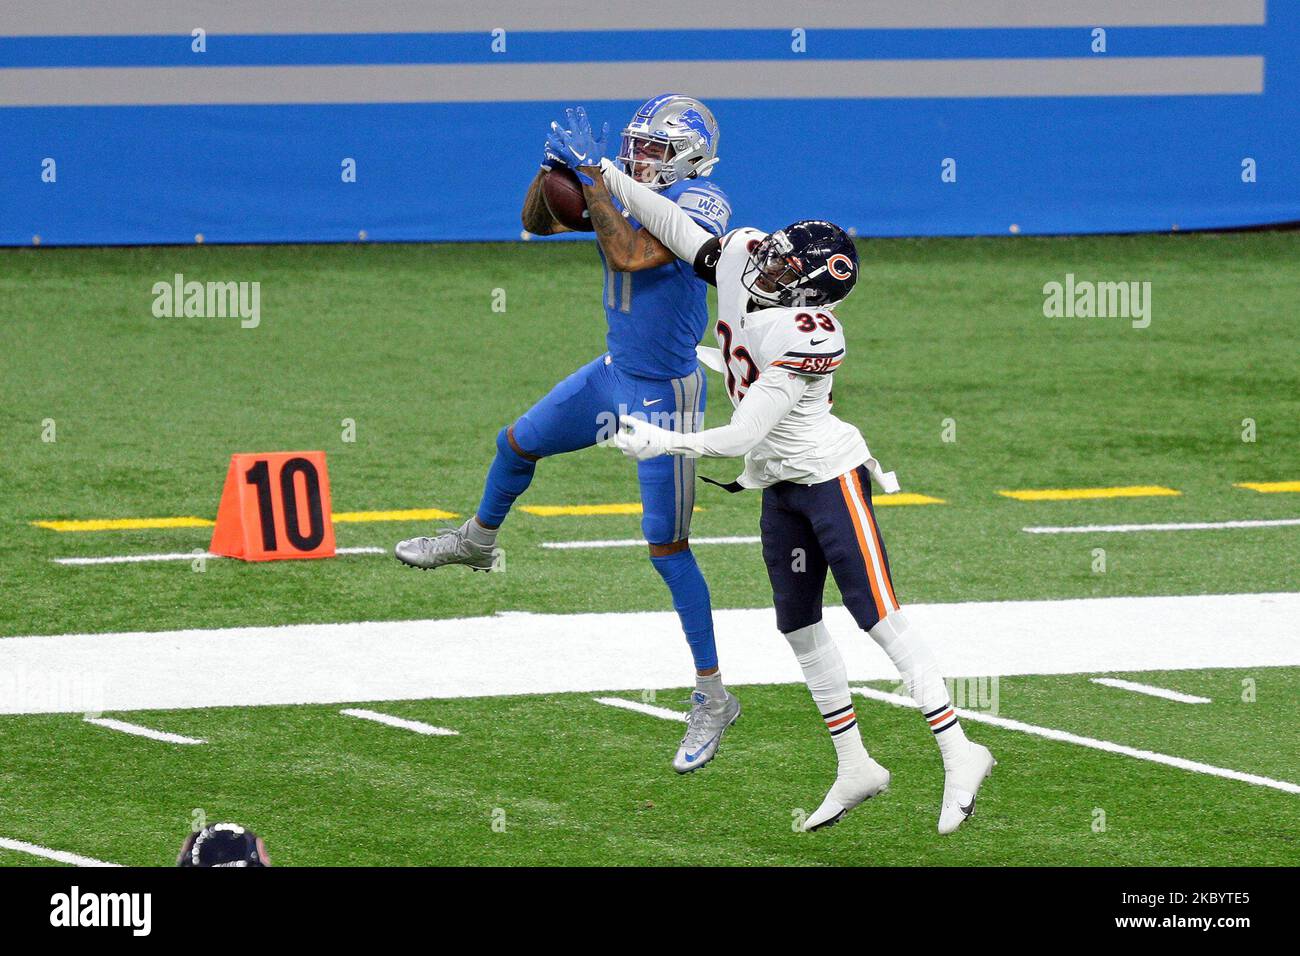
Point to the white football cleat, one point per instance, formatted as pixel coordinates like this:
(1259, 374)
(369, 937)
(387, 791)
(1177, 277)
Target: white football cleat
(851, 788)
(960, 784)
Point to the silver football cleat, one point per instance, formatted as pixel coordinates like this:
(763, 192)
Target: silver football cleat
(449, 546)
(705, 725)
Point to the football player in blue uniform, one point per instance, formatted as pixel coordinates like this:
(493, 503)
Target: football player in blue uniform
(657, 312)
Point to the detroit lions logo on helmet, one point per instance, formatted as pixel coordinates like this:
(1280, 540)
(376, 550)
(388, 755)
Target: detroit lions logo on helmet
(696, 121)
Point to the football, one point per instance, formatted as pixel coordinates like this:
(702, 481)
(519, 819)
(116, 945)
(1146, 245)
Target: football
(563, 195)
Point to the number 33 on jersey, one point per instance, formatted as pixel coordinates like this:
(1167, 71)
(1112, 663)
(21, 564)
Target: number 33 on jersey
(809, 343)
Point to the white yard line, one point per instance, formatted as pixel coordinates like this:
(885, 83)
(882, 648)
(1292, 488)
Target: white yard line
(1183, 526)
(58, 856)
(1151, 691)
(618, 653)
(416, 726)
(899, 700)
(663, 713)
(641, 542)
(181, 556)
(138, 731)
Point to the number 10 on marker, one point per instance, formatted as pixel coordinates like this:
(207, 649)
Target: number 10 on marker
(274, 506)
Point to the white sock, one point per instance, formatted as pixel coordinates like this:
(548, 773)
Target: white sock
(828, 681)
(479, 535)
(919, 670)
(711, 687)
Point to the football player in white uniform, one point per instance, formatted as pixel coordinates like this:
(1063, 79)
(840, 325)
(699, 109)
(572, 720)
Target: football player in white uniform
(780, 344)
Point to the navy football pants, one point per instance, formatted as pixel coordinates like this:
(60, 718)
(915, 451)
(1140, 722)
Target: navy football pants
(808, 529)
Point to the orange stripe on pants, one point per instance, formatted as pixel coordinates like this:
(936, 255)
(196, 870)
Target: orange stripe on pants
(881, 608)
(875, 536)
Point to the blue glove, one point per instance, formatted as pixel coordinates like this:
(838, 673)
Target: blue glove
(578, 146)
(549, 158)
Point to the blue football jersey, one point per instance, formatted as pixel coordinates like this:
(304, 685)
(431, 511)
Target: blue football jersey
(657, 316)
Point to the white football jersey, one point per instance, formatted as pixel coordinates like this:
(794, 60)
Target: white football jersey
(809, 445)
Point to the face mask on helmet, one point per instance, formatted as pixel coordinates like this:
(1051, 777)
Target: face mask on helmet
(774, 275)
(647, 159)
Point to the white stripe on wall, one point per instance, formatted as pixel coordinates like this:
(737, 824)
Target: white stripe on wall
(119, 17)
(587, 82)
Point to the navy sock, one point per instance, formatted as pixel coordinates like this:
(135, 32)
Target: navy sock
(691, 601)
(507, 479)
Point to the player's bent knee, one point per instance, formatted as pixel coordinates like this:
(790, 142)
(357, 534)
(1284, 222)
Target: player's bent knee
(890, 626)
(509, 438)
(794, 616)
(863, 608)
(660, 531)
(673, 547)
(796, 607)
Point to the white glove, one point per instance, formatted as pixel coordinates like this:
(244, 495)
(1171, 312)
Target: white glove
(640, 440)
(711, 358)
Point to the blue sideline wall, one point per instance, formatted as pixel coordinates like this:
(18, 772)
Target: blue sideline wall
(848, 115)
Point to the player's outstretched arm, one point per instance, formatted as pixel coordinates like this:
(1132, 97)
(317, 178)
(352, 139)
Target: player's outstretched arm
(626, 249)
(662, 217)
(768, 401)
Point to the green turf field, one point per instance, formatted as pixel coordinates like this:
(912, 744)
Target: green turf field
(403, 340)
(579, 784)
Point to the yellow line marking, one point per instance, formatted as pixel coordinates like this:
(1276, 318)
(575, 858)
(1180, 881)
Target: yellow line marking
(1079, 494)
(1267, 487)
(124, 524)
(410, 514)
(905, 498)
(137, 524)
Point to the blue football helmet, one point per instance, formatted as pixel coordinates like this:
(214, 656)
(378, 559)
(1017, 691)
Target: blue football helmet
(812, 263)
(671, 137)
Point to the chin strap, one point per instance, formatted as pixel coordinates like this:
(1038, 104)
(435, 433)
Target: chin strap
(706, 167)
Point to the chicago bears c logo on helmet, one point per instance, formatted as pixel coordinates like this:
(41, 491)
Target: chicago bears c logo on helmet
(840, 266)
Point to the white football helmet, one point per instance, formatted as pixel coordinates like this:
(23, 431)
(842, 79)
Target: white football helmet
(671, 137)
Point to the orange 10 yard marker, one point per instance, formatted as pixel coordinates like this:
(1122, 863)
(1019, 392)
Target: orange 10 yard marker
(274, 506)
